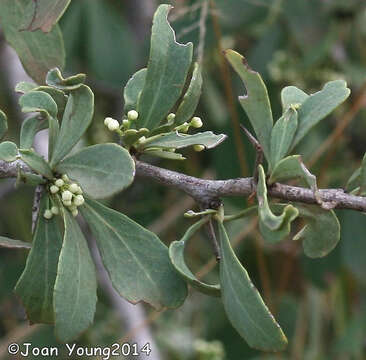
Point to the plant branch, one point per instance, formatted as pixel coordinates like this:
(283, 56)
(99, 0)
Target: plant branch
(210, 191)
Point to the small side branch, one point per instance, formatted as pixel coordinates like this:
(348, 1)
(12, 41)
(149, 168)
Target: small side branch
(36, 203)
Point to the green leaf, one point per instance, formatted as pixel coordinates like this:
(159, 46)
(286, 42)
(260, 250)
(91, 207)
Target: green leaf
(275, 236)
(29, 129)
(243, 303)
(256, 102)
(8, 151)
(28, 178)
(291, 95)
(44, 14)
(191, 98)
(75, 293)
(13, 244)
(292, 167)
(3, 124)
(272, 221)
(57, 95)
(36, 284)
(38, 101)
(179, 140)
(321, 233)
(319, 105)
(164, 154)
(102, 170)
(132, 90)
(282, 135)
(167, 70)
(37, 51)
(136, 260)
(25, 86)
(54, 78)
(36, 162)
(77, 118)
(176, 254)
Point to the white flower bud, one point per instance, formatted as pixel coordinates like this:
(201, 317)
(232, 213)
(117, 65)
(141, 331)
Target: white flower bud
(74, 188)
(79, 192)
(47, 214)
(113, 125)
(196, 122)
(65, 178)
(126, 123)
(132, 115)
(107, 120)
(72, 207)
(59, 182)
(55, 210)
(141, 140)
(75, 213)
(170, 117)
(198, 147)
(184, 127)
(67, 203)
(79, 200)
(66, 195)
(54, 189)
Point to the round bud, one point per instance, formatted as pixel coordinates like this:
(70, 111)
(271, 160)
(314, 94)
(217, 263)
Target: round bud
(55, 210)
(170, 117)
(198, 147)
(107, 120)
(132, 115)
(72, 207)
(113, 125)
(196, 122)
(59, 182)
(79, 200)
(79, 192)
(126, 123)
(67, 203)
(75, 212)
(184, 127)
(74, 188)
(65, 178)
(141, 140)
(54, 189)
(66, 195)
(47, 214)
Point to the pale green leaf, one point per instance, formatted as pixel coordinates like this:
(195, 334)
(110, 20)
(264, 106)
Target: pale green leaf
(57, 95)
(317, 106)
(55, 79)
(13, 244)
(75, 293)
(164, 154)
(37, 51)
(321, 233)
(36, 284)
(282, 135)
(130, 136)
(274, 236)
(178, 140)
(76, 119)
(256, 102)
(24, 87)
(28, 178)
(101, 170)
(133, 90)
(354, 181)
(38, 101)
(44, 14)
(272, 221)
(292, 96)
(243, 303)
(36, 162)
(167, 70)
(3, 124)
(136, 260)
(8, 151)
(176, 254)
(292, 167)
(191, 98)
(29, 129)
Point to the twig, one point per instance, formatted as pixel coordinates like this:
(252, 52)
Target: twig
(202, 25)
(36, 202)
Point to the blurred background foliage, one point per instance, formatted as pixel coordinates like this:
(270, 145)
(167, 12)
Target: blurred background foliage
(321, 304)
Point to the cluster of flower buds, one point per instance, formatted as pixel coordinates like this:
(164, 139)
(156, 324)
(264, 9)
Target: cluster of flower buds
(195, 122)
(114, 125)
(71, 196)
